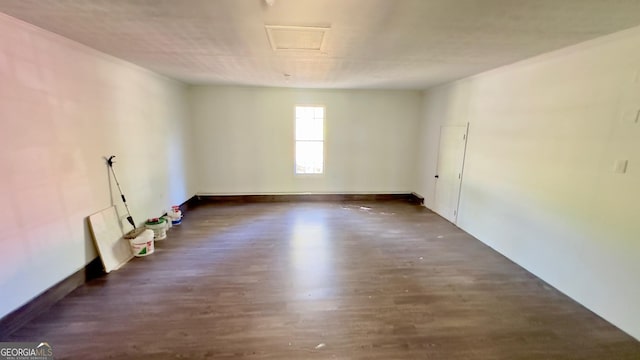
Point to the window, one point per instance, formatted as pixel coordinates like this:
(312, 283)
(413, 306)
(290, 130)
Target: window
(309, 139)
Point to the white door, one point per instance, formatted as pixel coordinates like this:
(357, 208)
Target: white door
(453, 141)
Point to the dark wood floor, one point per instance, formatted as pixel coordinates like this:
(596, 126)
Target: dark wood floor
(382, 280)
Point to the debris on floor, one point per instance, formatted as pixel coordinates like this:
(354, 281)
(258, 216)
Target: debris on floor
(320, 346)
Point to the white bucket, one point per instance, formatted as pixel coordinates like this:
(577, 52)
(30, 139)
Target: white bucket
(159, 228)
(176, 215)
(142, 245)
(168, 220)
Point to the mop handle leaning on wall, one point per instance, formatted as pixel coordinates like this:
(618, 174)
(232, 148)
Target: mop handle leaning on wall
(129, 217)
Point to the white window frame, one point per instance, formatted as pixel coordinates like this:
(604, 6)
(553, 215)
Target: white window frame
(323, 141)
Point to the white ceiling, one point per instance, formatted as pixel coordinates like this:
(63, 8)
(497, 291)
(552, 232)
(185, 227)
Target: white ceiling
(383, 44)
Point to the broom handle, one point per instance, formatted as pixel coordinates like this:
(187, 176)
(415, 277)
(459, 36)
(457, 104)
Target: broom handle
(124, 201)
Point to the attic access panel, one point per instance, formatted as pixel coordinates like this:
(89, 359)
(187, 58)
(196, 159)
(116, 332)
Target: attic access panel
(297, 38)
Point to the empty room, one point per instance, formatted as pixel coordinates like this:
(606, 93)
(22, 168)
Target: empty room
(320, 179)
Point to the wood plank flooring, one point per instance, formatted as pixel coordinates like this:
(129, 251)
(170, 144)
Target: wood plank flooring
(352, 280)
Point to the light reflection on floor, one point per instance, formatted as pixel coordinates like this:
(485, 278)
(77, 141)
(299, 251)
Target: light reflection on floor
(310, 256)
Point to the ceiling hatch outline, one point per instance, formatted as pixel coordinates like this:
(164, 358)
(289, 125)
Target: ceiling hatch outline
(298, 38)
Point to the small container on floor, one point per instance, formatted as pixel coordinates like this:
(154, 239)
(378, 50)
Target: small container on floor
(141, 242)
(159, 228)
(176, 215)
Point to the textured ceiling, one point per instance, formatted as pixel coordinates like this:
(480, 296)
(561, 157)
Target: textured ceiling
(392, 44)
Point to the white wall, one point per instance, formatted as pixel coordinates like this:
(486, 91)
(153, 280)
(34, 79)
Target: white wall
(538, 184)
(62, 108)
(244, 140)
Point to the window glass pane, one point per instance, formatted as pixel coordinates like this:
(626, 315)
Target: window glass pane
(309, 139)
(309, 129)
(318, 112)
(304, 112)
(309, 157)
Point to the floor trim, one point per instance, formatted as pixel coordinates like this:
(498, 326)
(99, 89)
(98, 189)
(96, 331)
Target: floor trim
(41, 303)
(417, 198)
(189, 204)
(410, 197)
